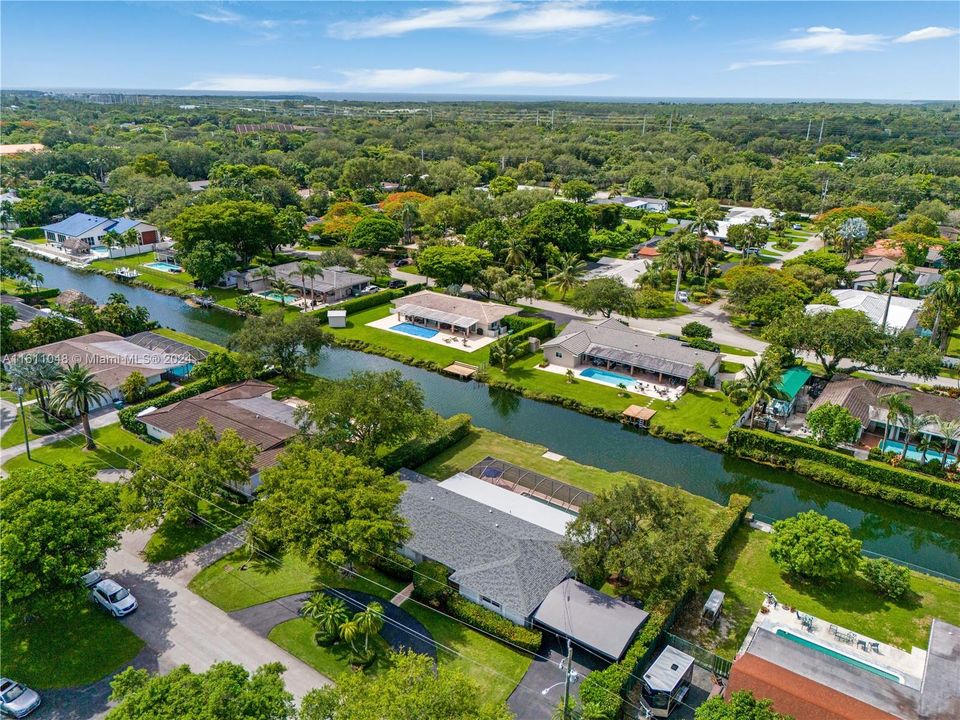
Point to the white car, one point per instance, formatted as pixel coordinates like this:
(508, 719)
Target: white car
(114, 597)
(17, 700)
(682, 296)
(91, 578)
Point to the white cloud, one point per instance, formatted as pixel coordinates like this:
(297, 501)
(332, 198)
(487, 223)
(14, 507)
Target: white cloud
(257, 83)
(219, 16)
(495, 16)
(762, 63)
(263, 30)
(928, 33)
(830, 41)
(398, 79)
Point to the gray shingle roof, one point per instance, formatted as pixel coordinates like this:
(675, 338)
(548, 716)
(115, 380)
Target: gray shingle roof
(511, 561)
(611, 339)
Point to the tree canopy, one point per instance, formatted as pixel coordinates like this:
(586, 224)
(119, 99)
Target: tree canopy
(453, 265)
(271, 341)
(814, 546)
(605, 296)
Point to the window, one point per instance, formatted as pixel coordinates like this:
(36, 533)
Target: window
(558, 354)
(488, 601)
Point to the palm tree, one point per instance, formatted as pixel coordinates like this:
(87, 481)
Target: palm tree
(516, 252)
(898, 270)
(678, 252)
(409, 216)
(760, 385)
(284, 288)
(75, 392)
(265, 273)
(914, 429)
(565, 273)
(945, 294)
(328, 614)
(949, 430)
(369, 622)
(707, 214)
(349, 631)
(310, 269)
(898, 407)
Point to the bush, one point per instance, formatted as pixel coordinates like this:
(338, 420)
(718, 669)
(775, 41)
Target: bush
(395, 565)
(31, 298)
(430, 583)
(887, 577)
(134, 387)
(812, 545)
(128, 416)
(701, 344)
(416, 452)
(367, 301)
(696, 330)
(523, 328)
(493, 624)
(249, 305)
(28, 233)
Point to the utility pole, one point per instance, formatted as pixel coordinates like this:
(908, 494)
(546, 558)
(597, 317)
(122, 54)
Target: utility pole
(551, 119)
(23, 417)
(823, 196)
(421, 154)
(538, 118)
(809, 125)
(503, 163)
(822, 120)
(566, 684)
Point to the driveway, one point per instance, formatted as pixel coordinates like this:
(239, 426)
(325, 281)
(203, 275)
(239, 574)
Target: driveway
(529, 701)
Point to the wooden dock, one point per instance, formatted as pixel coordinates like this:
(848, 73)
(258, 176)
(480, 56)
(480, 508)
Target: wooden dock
(462, 370)
(638, 416)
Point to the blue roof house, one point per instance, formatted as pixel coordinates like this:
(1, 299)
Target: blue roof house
(80, 232)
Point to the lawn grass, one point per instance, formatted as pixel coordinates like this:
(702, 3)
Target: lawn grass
(296, 637)
(75, 646)
(189, 340)
(733, 368)
(493, 666)
(116, 448)
(746, 571)
(229, 587)
(38, 426)
(953, 347)
(171, 540)
(726, 349)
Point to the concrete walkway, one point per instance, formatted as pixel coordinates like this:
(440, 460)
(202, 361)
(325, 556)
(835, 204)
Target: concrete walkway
(401, 597)
(98, 419)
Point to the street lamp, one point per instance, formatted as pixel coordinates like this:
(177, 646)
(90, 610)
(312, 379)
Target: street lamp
(26, 434)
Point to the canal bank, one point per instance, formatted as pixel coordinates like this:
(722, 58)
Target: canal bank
(898, 532)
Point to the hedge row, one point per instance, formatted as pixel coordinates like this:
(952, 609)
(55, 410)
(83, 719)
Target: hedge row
(760, 443)
(128, 415)
(395, 565)
(38, 295)
(493, 624)
(28, 233)
(542, 330)
(417, 452)
(366, 302)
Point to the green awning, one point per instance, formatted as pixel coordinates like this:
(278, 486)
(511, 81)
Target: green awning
(792, 380)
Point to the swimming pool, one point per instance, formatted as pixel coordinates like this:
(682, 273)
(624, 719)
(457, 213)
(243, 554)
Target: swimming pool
(164, 266)
(607, 377)
(415, 330)
(275, 296)
(101, 250)
(842, 657)
(914, 453)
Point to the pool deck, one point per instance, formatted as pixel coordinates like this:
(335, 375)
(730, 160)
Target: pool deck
(638, 386)
(474, 342)
(908, 665)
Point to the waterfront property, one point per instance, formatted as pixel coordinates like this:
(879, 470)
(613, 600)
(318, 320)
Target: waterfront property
(793, 384)
(244, 407)
(81, 234)
(865, 401)
(445, 318)
(612, 353)
(815, 670)
(901, 315)
(331, 285)
(112, 359)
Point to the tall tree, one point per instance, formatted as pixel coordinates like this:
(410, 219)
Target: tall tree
(606, 296)
(453, 265)
(75, 391)
(814, 546)
(288, 346)
(565, 273)
(759, 385)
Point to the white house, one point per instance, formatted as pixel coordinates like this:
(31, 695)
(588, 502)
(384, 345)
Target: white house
(902, 315)
(80, 232)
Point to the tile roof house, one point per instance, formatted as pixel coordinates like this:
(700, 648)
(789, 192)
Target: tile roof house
(498, 560)
(619, 346)
(244, 407)
(111, 359)
(331, 285)
(448, 311)
(81, 231)
(865, 272)
(903, 313)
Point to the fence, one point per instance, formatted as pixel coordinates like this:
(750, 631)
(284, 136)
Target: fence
(706, 659)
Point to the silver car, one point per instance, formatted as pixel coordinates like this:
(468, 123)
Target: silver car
(114, 597)
(17, 700)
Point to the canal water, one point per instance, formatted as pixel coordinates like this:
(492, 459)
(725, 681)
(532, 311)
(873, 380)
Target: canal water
(920, 538)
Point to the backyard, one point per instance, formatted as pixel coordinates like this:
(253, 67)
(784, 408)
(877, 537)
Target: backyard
(746, 571)
(116, 448)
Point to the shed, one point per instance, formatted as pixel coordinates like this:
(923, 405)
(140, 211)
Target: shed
(590, 619)
(791, 383)
(712, 607)
(337, 318)
(667, 680)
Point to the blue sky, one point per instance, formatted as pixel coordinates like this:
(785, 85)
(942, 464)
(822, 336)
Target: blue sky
(845, 50)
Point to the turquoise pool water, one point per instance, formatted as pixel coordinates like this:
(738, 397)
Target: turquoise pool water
(275, 296)
(913, 453)
(164, 266)
(415, 330)
(101, 250)
(605, 376)
(806, 642)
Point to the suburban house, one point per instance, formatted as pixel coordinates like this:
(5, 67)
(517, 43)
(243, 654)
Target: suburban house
(813, 670)
(244, 407)
(17, 148)
(626, 270)
(331, 285)
(865, 401)
(507, 562)
(25, 313)
(902, 315)
(112, 359)
(887, 249)
(742, 216)
(80, 232)
(864, 272)
(641, 203)
(456, 314)
(614, 346)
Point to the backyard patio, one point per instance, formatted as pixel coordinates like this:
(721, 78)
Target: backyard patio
(468, 343)
(637, 384)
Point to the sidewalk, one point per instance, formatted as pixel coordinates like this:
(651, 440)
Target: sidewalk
(98, 419)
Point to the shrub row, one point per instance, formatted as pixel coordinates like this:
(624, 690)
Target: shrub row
(366, 302)
(28, 233)
(416, 452)
(541, 329)
(128, 415)
(493, 624)
(395, 565)
(38, 295)
(156, 390)
(759, 443)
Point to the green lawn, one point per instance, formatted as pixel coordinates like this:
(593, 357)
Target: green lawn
(116, 448)
(296, 637)
(189, 340)
(493, 666)
(726, 349)
(75, 646)
(38, 425)
(230, 587)
(953, 347)
(746, 571)
(727, 366)
(171, 540)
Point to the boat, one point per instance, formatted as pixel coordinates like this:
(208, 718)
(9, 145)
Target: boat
(126, 273)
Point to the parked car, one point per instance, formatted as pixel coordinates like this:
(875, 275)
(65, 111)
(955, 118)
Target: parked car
(369, 290)
(797, 226)
(683, 296)
(114, 598)
(395, 283)
(91, 578)
(16, 699)
(403, 261)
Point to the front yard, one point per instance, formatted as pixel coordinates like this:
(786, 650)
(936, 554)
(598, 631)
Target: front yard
(171, 540)
(746, 571)
(116, 448)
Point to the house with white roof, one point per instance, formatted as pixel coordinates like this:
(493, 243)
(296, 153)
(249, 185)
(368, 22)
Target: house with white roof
(80, 232)
(902, 315)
